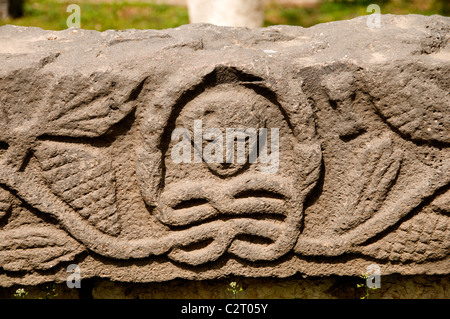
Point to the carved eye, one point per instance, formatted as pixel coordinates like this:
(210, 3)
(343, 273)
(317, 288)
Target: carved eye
(3, 145)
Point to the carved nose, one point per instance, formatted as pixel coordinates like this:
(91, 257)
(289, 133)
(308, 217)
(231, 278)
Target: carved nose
(235, 164)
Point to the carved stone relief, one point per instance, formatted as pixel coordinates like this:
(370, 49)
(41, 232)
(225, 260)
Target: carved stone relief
(129, 165)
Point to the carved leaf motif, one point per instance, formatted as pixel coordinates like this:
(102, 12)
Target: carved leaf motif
(36, 247)
(149, 175)
(83, 178)
(442, 203)
(414, 101)
(91, 120)
(92, 112)
(378, 167)
(423, 237)
(308, 161)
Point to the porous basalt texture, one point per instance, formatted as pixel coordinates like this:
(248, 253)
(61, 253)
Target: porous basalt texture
(87, 137)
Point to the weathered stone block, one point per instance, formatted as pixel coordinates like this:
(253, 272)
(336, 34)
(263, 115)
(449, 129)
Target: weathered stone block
(203, 151)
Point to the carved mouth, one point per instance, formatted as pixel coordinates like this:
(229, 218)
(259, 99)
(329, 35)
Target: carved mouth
(226, 169)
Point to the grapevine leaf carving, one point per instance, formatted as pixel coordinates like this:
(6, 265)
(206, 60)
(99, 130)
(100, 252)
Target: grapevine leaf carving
(31, 247)
(378, 166)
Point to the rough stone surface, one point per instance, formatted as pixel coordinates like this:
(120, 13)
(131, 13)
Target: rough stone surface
(87, 176)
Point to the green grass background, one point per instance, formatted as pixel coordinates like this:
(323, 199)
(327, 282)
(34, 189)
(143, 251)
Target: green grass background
(98, 15)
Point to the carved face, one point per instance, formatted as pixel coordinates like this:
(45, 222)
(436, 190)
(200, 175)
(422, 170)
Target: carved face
(225, 118)
(233, 207)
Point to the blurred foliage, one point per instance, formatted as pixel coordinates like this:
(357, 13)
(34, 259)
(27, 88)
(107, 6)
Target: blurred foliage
(97, 15)
(327, 11)
(109, 14)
